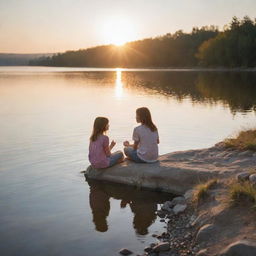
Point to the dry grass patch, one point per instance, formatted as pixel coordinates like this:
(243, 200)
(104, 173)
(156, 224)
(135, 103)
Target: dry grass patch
(201, 191)
(252, 171)
(245, 140)
(242, 192)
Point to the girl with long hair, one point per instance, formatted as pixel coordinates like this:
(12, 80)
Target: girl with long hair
(145, 137)
(99, 149)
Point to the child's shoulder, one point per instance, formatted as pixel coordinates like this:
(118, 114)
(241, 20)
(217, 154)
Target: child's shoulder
(138, 127)
(103, 137)
(143, 128)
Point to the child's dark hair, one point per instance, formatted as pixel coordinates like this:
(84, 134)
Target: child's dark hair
(99, 127)
(145, 118)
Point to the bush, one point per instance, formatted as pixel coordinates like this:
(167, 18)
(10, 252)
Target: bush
(246, 140)
(202, 190)
(242, 193)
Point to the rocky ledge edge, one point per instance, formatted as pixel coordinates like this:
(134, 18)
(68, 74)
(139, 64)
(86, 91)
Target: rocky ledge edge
(179, 171)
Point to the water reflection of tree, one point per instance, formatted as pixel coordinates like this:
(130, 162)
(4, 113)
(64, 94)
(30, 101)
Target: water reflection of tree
(237, 90)
(142, 203)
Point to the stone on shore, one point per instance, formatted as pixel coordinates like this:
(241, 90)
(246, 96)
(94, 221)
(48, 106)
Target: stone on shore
(167, 206)
(164, 246)
(240, 248)
(125, 251)
(179, 208)
(252, 179)
(204, 233)
(202, 253)
(189, 194)
(243, 176)
(148, 249)
(178, 200)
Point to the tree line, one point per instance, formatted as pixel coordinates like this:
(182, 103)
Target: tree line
(235, 46)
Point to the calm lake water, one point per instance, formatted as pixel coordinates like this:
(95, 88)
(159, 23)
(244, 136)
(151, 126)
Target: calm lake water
(47, 207)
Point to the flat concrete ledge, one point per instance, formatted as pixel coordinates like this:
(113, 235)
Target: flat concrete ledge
(177, 172)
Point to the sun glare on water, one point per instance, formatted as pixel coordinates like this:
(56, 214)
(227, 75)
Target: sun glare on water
(118, 31)
(118, 84)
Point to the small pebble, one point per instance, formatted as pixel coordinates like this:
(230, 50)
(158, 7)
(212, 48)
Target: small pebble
(125, 251)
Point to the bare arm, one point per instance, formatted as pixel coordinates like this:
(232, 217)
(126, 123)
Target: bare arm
(134, 145)
(108, 148)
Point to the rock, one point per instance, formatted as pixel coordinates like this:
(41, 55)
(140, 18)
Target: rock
(176, 172)
(125, 251)
(243, 176)
(165, 254)
(168, 174)
(246, 153)
(178, 200)
(218, 164)
(148, 249)
(201, 220)
(205, 233)
(161, 213)
(192, 218)
(164, 246)
(252, 179)
(189, 194)
(240, 248)
(202, 253)
(179, 208)
(165, 235)
(167, 206)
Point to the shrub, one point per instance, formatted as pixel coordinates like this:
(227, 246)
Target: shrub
(246, 140)
(242, 192)
(202, 190)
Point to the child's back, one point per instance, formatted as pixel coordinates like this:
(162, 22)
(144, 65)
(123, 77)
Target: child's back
(97, 154)
(148, 143)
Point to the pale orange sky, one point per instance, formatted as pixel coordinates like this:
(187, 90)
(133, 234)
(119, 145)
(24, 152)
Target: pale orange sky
(46, 26)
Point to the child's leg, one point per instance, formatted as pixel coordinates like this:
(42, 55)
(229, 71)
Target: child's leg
(132, 155)
(129, 151)
(116, 158)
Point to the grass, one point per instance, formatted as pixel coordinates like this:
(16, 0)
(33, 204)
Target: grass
(245, 140)
(202, 190)
(252, 170)
(242, 192)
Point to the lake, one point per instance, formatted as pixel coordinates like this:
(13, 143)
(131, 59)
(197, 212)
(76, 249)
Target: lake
(47, 206)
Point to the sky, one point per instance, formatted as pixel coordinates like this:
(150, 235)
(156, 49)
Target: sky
(49, 26)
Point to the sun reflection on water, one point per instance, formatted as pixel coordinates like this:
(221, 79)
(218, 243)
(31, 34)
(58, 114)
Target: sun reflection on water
(118, 84)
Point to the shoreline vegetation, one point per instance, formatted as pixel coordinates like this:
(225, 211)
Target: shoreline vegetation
(245, 140)
(207, 47)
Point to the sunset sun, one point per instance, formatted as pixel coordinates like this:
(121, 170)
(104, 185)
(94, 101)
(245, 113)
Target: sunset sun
(118, 31)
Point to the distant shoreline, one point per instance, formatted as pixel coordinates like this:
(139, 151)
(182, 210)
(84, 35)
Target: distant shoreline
(144, 69)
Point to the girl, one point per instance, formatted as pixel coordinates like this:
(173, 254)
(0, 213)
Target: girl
(146, 139)
(99, 150)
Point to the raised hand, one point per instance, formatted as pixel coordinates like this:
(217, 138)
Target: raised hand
(112, 144)
(126, 143)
